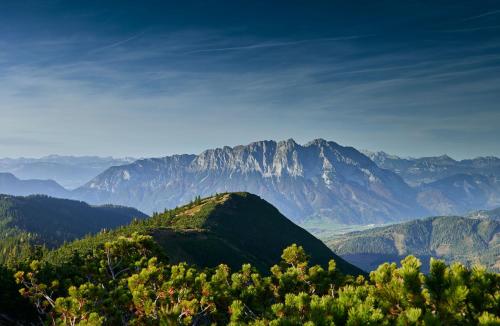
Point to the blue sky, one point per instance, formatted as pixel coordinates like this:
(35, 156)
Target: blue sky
(152, 78)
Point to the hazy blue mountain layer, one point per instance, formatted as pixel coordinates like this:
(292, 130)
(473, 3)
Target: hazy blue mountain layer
(417, 171)
(320, 178)
(69, 171)
(320, 181)
(10, 184)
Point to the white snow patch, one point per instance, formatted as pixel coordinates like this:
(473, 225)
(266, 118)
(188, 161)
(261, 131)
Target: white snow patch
(370, 175)
(126, 175)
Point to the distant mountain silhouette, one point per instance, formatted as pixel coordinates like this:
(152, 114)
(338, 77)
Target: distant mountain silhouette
(10, 184)
(69, 171)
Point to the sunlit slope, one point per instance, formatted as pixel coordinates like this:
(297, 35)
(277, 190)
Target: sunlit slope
(232, 228)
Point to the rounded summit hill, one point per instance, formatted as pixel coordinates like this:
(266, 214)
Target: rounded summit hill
(229, 228)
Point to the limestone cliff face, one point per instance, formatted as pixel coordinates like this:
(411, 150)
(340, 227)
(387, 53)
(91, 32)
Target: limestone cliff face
(320, 178)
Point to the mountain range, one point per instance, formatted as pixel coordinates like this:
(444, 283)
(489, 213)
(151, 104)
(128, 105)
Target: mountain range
(425, 170)
(69, 171)
(447, 186)
(320, 181)
(320, 178)
(460, 193)
(452, 238)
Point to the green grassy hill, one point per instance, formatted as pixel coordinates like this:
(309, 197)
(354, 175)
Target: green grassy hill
(42, 220)
(234, 229)
(451, 238)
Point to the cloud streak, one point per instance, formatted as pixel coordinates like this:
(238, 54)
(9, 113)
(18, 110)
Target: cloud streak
(118, 43)
(472, 29)
(489, 13)
(278, 44)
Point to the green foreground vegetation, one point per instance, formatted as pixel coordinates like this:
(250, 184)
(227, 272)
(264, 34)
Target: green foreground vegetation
(220, 260)
(123, 283)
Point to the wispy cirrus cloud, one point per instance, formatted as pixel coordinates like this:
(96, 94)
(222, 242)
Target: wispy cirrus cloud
(153, 93)
(275, 44)
(486, 14)
(472, 29)
(118, 43)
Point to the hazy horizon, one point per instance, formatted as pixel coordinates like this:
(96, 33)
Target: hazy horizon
(232, 145)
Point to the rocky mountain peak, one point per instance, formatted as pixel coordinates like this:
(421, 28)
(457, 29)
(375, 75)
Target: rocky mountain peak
(287, 145)
(320, 142)
(446, 158)
(319, 178)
